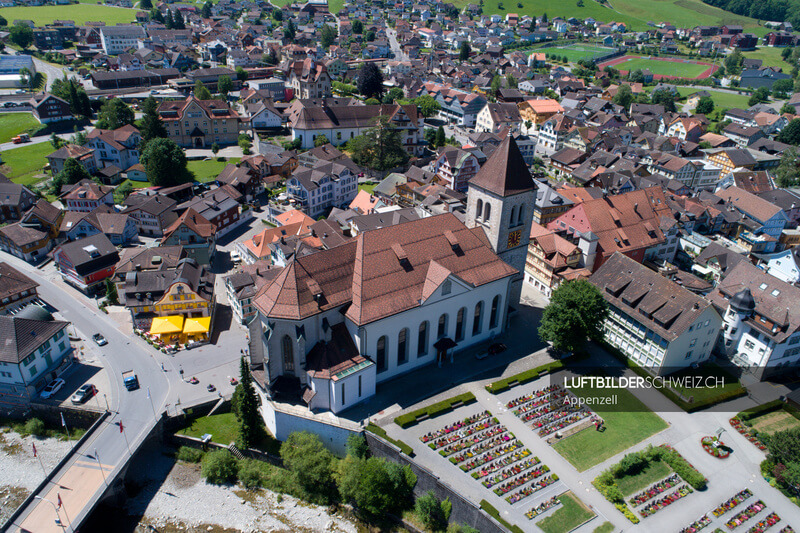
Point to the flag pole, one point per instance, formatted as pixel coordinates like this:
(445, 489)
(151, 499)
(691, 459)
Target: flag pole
(36, 454)
(122, 430)
(64, 508)
(66, 429)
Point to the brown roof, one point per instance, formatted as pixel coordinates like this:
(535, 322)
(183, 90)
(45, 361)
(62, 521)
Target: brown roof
(12, 281)
(194, 221)
(382, 272)
(326, 359)
(749, 204)
(653, 300)
(505, 173)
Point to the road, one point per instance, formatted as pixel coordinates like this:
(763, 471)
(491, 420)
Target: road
(44, 138)
(53, 72)
(399, 55)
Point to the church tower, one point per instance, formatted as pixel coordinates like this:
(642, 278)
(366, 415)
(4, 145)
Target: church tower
(500, 200)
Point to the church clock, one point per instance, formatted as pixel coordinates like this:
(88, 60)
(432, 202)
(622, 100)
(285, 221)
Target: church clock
(513, 238)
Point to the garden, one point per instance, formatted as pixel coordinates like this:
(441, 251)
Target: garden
(550, 410)
(738, 513)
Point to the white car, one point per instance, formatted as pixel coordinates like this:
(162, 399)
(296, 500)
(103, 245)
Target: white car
(52, 388)
(235, 257)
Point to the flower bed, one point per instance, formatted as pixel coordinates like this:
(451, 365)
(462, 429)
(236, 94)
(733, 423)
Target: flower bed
(787, 529)
(656, 489)
(765, 524)
(534, 487)
(505, 488)
(482, 447)
(739, 426)
(473, 440)
(492, 455)
(535, 394)
(454, 427)
(713, 446)
(510, 472)
(543, 507)
(558, 406)
(732, 503)
(653, 507)
(543, 400)
(560, 421)
(745, 515)
(466, 432)
(500, 463)
(697, 525)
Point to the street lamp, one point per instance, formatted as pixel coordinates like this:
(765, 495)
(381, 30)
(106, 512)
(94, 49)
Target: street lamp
(97, 458)
(58, 517)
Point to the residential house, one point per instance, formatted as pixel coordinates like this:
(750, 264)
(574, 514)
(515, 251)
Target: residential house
(34, 235)
(153, 214)
(551, 259)
(325, 185)
(495, 117)
(15, 200)
(47, 108)
(195, 233)
(243, 285)
(118, 227)
(86, 196)
(119, 147)
(455, 167)
(16, 290)
(200, 123)
(87, 263)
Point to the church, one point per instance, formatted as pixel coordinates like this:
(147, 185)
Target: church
(335, 324)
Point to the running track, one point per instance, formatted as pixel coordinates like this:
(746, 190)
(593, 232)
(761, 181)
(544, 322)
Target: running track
(618, 60)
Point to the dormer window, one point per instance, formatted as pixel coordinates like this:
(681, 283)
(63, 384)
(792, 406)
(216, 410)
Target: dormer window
(447, 287)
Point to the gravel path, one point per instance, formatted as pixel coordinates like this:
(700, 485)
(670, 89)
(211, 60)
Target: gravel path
(174, 494)
(21, 471)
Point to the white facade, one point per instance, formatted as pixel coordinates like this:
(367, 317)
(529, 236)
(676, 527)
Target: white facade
(265, 119)
(37, 369)
(331, 191)
(118, 39)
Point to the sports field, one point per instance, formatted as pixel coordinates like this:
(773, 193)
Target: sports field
(576, 52)
(80, 13)
(661, 67)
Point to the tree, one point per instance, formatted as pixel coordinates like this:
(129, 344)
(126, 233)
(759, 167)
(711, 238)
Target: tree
(26, 77)
(165, 163)
(733, 63)
(781, 87)
(321, 140)
(464, 51)
(579, 3)
(393, 94)
(56, 141)
(156, 16)
(3, 21)
(310, 461)
(277, 14)
(224, 85)
(441, 140)
(219, 466)
(624, 96)
(379, 148)
(178, 20)
(786, 175)
(123, 191)
(245, 143)
(201, 92)
(705, 105)
(111, 292)
(375, 486)
(497, 84)
(788, 109)
(72, 173)
(114, 114)
(759, 96)
(791, 133)
(241, 74)
(370, 80)
(370, 36)
(511, 81)
(152, 127)
(289, 31)
(169, 22)
(430, 512)
(576, 311)
(664, 97)
(328, 35)
(215, 149)
(21, 35)
(428, 105)
(205, 12)
(357, 446)
(250, 421)
(358, 27)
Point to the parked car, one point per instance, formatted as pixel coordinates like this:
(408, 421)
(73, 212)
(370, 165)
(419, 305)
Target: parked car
(211, 388)
(84, 393)
(52, 388)
(9, 104)
(99, 339)
(235, 257)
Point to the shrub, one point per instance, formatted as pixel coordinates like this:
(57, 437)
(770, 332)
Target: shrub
(494, 513)
(436, 409)
(523, 377)
(447, 508)
(35, 427)
(357, 446)
(631, 464)
(250, 475)
(429, 511)
(189, 455)
(219, 467)
(627, 512)
(682, 467)
(614, 495)
(379, 431)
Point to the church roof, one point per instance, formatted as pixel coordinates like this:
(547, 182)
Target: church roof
(505, 173)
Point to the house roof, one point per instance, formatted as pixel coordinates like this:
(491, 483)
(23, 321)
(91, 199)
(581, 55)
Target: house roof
(751, 205)
(22, 336)
(195, 222)
(90, 253)
(12, 281)
(505, 172)
(327, 359)
(150, 258)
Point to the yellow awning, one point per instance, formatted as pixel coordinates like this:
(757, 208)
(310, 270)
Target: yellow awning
(197, 325)
(167, 324)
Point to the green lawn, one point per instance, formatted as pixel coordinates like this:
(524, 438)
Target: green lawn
(722, 100)
(369, 187)
(80, 13)
(663, 68)
(208, 169)
(770, 56)
(12, 124)
(634, 13)
(710, 373)
(25, 164)
(223, 428)
(570, 515)
(605, 527)
(577, 52)
(775, 421)
(627, 423)
(654, 472)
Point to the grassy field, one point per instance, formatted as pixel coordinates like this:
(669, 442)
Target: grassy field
(634, 13)
(722, 100)
(627, 423)
(12, 124)
(24, 165)
(369, 187)
(221, 427)
(577, 52)
(654, 472)
(208, 170)
(80, 13)
(775, 421)
(770, 56)
(570, 515)
(663, 68)
(710, 373)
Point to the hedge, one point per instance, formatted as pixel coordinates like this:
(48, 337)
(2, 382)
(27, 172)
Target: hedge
(759, 410)
(523, 377)
(672, 396)
(433, 410)
(491, 511)
(379, 431)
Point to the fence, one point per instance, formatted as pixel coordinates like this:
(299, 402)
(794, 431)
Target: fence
(463, 511)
